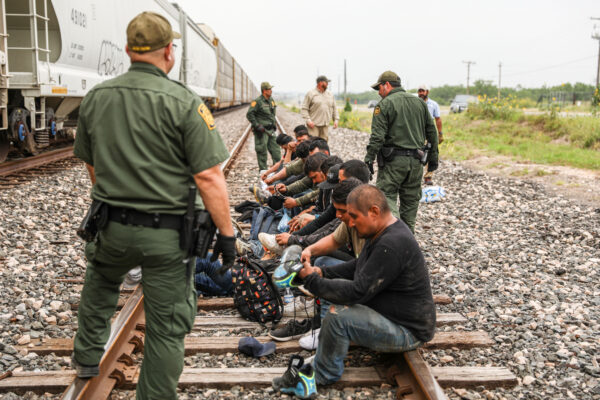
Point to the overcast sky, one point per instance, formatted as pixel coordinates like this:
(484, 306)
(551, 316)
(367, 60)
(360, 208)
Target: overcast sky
(289, 42)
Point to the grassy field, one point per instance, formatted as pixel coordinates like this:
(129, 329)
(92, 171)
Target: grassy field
(504, 130)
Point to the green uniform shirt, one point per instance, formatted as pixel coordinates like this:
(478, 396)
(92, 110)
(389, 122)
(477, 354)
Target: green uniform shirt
(146, 135)
(262, 112)
(296, 167)
(402, 120)
(300, 186)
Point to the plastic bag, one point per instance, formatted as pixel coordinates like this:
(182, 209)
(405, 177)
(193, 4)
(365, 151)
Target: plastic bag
(283, 223)
(431, 194)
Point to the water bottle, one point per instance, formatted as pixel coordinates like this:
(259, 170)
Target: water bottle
(288, 296)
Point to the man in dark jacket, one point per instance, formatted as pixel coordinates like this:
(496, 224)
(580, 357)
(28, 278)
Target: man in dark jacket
(382, 300)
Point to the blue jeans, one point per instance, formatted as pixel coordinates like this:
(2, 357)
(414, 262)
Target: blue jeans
(363, 326)
(208, 281)
(326, 261)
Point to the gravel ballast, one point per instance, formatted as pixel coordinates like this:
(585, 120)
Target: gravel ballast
(520, 263)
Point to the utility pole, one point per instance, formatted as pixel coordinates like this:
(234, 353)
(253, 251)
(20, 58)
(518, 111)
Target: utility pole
(499, 78)
(468, 72)
(596, 36)
(345, 80)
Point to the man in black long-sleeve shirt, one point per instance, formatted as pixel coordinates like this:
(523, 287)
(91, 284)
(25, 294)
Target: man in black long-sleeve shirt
(382, 300)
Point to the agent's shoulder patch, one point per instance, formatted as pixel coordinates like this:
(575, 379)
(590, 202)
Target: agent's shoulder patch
(253, 104)
(377, 110)
(272, 103)
(206, 116)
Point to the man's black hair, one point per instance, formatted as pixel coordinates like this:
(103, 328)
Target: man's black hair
(356, 169)
(313, 163)
(282, 139)
(302, 150)
(366, 196)
(343, 189)
(320, 143)
(300, 130)
(330, 162)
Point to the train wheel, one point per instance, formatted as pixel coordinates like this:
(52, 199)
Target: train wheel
(4, 146)
(26, 143)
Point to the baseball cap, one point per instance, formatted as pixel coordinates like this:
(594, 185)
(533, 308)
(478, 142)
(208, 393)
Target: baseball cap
(423, 87)
(265, 86)
(322, 78)
(333, 178)
(149, 31)
(252, 347)
(387, 76)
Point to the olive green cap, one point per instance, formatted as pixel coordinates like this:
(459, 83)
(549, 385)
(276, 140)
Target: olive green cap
(149, 31)
(265, 86)
(323, 78)
(387, 76)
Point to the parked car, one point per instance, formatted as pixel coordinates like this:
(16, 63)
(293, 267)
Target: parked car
(461, 102)
(372, 103)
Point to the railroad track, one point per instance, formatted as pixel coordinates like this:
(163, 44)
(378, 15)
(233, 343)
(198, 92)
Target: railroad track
(414, 378)
(23, 170)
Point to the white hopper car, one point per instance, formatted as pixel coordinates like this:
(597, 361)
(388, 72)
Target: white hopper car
(52, 52)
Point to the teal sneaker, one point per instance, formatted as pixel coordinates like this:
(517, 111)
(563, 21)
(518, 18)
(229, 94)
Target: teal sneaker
(298, 379)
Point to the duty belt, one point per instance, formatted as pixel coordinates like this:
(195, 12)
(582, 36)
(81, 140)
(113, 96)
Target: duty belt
(404, 152)
(129, 216)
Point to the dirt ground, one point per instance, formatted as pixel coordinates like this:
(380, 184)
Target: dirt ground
(580, 185)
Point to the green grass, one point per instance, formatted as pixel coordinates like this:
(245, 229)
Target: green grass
(539, 139)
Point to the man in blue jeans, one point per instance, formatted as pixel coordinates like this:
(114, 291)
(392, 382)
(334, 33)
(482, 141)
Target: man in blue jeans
(382, 300)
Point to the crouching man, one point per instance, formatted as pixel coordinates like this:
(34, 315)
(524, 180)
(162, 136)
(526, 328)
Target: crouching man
(382, 300)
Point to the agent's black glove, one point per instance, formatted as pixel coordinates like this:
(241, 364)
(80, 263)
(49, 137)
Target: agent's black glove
(371, 170)
(432, 166)
(225, 245)
(260, 128)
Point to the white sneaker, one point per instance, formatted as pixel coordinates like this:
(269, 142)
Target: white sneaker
(310, 341)
(300, 307)
(270, 243)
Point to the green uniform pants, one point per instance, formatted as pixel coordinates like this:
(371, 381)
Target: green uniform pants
(169, 302)
(262, 143)
(401, 177)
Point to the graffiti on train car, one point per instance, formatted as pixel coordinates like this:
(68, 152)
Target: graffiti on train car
(111, 60)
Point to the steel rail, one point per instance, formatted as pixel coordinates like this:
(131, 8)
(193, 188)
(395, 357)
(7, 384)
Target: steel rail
(10, 167)
(117, 366)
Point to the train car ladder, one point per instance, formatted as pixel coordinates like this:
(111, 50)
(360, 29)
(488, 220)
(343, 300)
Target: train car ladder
(3, 69)
(38, 54)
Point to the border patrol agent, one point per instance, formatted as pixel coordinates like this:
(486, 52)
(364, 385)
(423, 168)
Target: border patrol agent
(401, 125)
(261, 115)
(145, 139)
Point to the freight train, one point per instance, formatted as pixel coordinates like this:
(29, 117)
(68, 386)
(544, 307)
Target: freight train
(52, 52)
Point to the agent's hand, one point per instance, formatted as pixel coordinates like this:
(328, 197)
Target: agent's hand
(225, 246)
(310, 124)
(432, 166)
(290, 202)
(282, 238)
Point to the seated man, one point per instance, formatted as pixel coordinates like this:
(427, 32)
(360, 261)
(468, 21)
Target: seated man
(349, 169)
(288, 145)
(382, 300)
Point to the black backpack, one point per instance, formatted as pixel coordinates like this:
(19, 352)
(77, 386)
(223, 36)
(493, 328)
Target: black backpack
(254, 294)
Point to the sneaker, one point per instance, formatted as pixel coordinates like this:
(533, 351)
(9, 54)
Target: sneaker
(300, 306)
(298, 379)
(270, 243)
(133, 277)
(242, 248)
(310, 341)
(84, 371)
(292, 330)
(260, 195)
